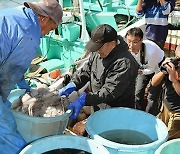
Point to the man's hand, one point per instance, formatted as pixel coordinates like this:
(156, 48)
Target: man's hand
(164, 64)
(67, 90)
(171, 71)
(173, 77)
(77, 105)
(162, 2)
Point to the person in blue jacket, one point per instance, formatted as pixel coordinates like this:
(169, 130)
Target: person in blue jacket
(20, 31)
(156, 17)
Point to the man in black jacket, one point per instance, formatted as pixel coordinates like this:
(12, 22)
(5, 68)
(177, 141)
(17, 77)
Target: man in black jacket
(111, 70)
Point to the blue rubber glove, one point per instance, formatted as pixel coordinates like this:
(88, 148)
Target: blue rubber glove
(24, 85)
(77, 105)
(67, 90)
(7, 103)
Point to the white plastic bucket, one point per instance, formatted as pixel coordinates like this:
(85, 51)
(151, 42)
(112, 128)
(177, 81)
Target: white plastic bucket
(32, 128)
(169, 147)
(127, 119)
(64, 142)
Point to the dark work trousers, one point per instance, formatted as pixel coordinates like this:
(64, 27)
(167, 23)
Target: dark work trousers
(154, 93)
(154, 99)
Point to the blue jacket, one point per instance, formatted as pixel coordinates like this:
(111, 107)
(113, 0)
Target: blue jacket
(156, 17)
(20, 34)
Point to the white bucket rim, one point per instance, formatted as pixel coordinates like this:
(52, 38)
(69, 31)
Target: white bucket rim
(65, 138)
(115, 145)
(161, 147)
(20, 115)
(66, 115)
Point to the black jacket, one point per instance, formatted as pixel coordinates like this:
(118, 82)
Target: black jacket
(112, 79)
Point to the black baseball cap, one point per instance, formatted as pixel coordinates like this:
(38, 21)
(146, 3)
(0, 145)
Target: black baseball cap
(100, 35)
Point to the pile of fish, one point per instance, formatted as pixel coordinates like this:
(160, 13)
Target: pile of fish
(41, 102)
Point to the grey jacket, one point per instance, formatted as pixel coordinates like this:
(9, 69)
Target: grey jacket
(112, 79)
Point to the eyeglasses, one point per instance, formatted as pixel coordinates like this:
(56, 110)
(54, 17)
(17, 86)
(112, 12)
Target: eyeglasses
(133, 42)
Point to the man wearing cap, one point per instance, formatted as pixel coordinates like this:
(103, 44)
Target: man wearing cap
(20, 31)
(111, 70)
